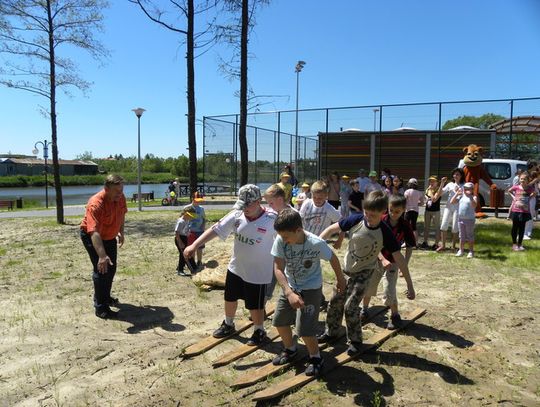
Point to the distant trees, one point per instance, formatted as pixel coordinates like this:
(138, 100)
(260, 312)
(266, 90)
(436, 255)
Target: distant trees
(32, 34)
(480, 122)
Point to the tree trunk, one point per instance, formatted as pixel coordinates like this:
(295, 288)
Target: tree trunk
(242, 134)
(54, 138)
(190, 59)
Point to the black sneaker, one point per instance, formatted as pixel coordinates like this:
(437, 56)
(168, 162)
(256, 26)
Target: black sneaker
(326, 338)
(182, 273)
(114, 301)
(354, 348)
(107, 314)
(286, 356)
(258, 338)
(224, 330)
(314, 367)
(424, 246)
(395, 322)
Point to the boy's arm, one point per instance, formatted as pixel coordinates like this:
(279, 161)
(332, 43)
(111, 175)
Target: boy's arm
(341, 284)
(330, 231)
(294, 299)
(178, 240)
(207, 235)
(404, 268)
(352, 206)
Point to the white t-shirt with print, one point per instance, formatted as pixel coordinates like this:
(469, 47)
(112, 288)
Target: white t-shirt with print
(452, 189)
(251, 260)
(317, 218)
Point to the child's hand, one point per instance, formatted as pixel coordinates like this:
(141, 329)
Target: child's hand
(443, 180)
(386, 264)
(337, 244)
(295, 300)
(341, 286)
(411, 295)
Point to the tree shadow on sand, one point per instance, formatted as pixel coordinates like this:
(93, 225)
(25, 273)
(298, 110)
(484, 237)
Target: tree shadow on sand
(143, 318)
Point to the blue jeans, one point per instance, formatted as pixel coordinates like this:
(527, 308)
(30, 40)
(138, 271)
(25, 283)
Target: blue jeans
(102, 282)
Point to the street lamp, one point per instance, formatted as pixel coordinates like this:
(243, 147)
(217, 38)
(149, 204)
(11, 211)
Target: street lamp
(45, 145)
(139, 112)
(298, 68)
(375, 119)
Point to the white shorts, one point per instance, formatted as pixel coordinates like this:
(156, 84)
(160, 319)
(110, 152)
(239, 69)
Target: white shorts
(450, 213)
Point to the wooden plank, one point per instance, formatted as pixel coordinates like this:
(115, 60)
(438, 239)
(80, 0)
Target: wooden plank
(210, 342)
(269, 369)
(301, 379)
(243, 350)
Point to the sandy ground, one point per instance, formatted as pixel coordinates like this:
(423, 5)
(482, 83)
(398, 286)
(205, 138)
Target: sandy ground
(477, 346)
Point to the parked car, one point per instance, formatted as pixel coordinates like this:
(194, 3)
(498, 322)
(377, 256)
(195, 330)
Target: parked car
(502, 172)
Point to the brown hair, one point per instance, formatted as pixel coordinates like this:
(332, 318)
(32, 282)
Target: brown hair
(319, 186)
(376, 201)
(113, 179)
(288, 220)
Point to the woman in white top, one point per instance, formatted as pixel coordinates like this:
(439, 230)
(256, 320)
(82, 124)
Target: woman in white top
(450, 211)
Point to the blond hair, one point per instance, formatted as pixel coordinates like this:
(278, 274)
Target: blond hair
(319, 186)
(274, 191)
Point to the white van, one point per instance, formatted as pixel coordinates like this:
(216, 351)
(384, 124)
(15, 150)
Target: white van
(502, 172)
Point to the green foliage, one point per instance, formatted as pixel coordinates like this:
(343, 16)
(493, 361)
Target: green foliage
(480, 122)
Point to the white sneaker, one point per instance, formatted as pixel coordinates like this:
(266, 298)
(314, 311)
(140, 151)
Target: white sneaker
(521, 248)
(459, 253)
(470, 255)
(526, 237)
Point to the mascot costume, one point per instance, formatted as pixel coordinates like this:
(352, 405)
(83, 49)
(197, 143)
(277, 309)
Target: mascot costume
(475, 171)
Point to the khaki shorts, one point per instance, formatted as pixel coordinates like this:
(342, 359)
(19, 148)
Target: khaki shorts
(306, 319)
(389, 284)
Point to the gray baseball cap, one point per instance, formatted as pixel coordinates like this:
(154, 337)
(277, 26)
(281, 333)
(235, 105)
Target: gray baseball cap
(247, 194)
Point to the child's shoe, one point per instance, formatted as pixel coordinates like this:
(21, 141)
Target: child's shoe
(314, 366)
(326, 338)
(182, 273)
(521, 248)
(224, 330)
(459, 253)
(515, 247)
(395, 322)
(527, 237)
(286, 356)
(470, 255)
(354, 348)
(258, 338)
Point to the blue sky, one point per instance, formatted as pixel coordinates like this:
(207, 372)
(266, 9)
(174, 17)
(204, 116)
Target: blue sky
(357, 53)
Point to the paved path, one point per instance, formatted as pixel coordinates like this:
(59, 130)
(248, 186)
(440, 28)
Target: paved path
(78, 210)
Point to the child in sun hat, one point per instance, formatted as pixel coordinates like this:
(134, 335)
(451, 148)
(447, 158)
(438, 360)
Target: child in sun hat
(303, 195)
(284, 183)
(373, 184)
(432, 214)
(466, 217)
(181, 231)
(197, 225)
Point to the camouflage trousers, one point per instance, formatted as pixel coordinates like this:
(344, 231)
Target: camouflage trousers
(348, 303)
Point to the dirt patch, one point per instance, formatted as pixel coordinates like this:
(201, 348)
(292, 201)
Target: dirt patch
(478, 344)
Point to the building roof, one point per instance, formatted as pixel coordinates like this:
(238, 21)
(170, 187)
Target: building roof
(520, 124)
(39, 161)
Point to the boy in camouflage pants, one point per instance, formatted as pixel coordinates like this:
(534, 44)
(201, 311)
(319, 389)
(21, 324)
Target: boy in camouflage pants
(367, 237)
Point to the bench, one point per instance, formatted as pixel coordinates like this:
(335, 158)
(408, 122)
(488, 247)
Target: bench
(7, 204)
(146, 196)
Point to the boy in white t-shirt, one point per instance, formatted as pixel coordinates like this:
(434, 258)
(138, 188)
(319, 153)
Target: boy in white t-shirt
(317, 214)
(250, 268)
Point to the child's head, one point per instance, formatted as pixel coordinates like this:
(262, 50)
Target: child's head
(354, 185)
(345, 178)
(319, 193)
(413, 183)
(524, 178)
(334, 176)
(433, 181)
(373, 176)
(388, 182)
(374, 206)
(468, 188)
(284, 178)
(197, 198)
(188, 212)
(458, 175)
(275, 197)
(396, 182)
(288, 225)
(396, 206)
(305, 187)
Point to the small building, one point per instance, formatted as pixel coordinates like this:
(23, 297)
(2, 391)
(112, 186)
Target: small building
(36, 166)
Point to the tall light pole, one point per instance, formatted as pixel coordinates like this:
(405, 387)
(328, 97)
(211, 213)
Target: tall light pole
(139, 112)
(45, 145)
(375, 118)
(298, 68)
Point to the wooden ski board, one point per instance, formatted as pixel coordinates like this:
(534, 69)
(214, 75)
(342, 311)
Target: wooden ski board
(209, 342)
(269, 369)
(301, 379)
(243, 350)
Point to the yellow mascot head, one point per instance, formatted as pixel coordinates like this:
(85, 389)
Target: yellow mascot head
(473, 155)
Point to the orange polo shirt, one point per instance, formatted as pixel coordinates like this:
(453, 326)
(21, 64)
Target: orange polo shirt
(104, 216)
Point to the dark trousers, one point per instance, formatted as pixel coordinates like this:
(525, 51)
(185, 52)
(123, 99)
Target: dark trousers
(102, 282)
(518, 230)
(181, 258)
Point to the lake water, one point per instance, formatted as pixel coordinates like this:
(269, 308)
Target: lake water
(77, 195)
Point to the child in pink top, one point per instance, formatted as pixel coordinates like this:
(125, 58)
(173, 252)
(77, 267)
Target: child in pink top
(520, 211)
(415, 198)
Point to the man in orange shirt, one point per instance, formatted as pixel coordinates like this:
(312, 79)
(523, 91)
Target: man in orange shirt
(102, 229)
